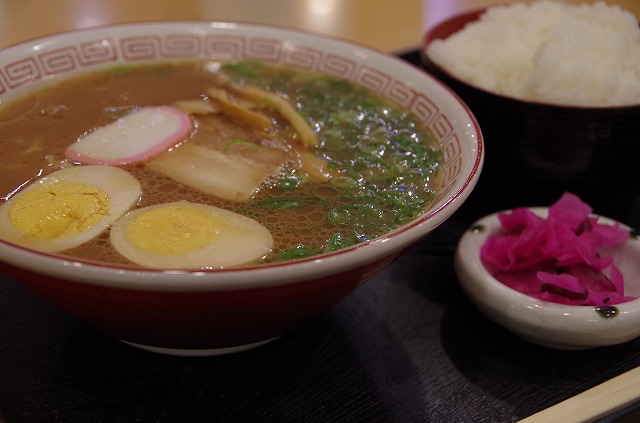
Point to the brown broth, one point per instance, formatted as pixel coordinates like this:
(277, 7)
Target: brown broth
(33, 141)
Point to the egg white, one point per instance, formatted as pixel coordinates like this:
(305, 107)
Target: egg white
(240, 240)
(122, 188)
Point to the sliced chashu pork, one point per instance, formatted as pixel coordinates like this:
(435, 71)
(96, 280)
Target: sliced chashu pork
(210, 165)
(227, 176)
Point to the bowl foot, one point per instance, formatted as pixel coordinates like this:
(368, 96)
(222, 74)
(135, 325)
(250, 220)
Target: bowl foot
(205, 352)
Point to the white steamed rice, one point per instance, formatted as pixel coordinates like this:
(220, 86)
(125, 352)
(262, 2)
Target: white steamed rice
(549, 51)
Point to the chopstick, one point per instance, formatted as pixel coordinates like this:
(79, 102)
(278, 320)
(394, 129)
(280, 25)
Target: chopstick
(593, 403)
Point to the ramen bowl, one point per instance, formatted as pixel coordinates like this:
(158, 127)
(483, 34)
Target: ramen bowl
(549, 324)
(209, 312)
(538, 150)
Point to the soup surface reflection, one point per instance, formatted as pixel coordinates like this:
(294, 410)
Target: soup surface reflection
(321, 163)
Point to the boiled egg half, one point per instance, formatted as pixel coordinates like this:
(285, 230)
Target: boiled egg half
(68, 207)
(185, 235)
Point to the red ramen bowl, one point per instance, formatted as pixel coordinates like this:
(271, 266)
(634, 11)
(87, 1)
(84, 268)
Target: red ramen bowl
(208, 312)
(536, 150)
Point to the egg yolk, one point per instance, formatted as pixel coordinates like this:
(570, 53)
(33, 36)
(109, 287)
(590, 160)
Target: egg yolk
(176, 229)
(58, 209)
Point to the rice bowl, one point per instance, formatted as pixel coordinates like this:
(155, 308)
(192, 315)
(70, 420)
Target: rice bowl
(538, 150)
(548, 52)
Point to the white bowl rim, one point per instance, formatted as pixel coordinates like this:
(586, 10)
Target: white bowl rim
(264, 275)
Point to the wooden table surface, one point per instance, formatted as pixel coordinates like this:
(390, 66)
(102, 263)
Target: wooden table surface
(389, 25)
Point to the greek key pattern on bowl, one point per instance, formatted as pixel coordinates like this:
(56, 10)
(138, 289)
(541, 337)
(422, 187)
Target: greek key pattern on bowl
(21, 72)
(303, 58)
(452, 161)
(139, 48)
(373, 79)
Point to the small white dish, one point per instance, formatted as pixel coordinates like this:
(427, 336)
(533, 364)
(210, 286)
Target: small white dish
(546, 323)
